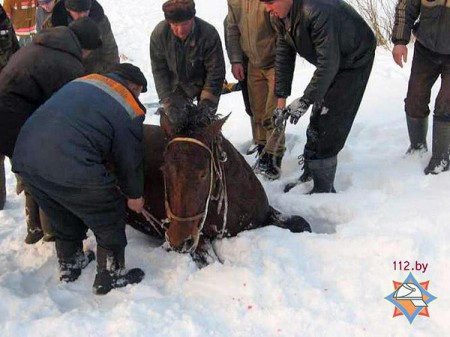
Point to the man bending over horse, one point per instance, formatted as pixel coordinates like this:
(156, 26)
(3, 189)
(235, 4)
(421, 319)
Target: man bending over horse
(186, 56)
(63, 153)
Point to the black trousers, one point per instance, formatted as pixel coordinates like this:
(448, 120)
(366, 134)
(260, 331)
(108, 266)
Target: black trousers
(73, 210)
(330, 123)
(426, 67)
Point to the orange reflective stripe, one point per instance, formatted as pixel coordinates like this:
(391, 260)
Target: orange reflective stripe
(117, 89)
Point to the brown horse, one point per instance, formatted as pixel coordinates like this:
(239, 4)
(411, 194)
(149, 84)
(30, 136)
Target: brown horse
(206, 188)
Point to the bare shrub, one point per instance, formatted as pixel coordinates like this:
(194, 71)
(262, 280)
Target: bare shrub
(380, 16)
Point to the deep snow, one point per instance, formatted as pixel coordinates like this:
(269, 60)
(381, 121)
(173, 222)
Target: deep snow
(272, 283)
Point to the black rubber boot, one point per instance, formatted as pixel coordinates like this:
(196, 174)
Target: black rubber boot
(2, 182)
(33, 221)
(273, 167)
(417, 130)
(439, 161)
(111, 272)
(304, 177)
(72, 259)
(323, 172)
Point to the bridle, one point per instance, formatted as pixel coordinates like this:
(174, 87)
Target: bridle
(216, 173)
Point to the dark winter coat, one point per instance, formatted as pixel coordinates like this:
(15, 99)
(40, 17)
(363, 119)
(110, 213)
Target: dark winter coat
(329, 34)
(8, 40)
(196, 65)
(432, 29)
(32, 76)
(91, 121)
(101, 59)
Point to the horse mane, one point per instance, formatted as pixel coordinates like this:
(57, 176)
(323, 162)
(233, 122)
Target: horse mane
(188, 119)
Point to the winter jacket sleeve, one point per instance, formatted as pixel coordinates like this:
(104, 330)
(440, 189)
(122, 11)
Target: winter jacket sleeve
(284, 66)
(8, 40)
(160, 68)
(324, 36)
(215, 71)
(104, 58)
(232, 37)
(127, 153)
(406, 13)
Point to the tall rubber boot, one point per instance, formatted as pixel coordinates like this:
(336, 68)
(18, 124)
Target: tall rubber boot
(417, 131)
(72, 259)
(439, 161)
(2, 183)
(323, 172)
(32, 219)
(111, 272)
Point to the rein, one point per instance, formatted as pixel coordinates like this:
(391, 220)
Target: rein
(216, 173)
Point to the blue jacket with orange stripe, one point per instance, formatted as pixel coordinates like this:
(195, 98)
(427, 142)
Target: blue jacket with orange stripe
(88, 123)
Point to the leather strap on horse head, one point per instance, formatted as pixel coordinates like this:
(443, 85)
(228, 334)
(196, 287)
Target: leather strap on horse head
(216, 171)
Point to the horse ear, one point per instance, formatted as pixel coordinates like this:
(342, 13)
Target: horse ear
(165, 123)
(214, 129)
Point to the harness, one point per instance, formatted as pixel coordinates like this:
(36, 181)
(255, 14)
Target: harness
(217, 182)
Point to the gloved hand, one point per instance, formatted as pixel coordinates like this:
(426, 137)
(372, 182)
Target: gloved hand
(279, 116)
(297, 108)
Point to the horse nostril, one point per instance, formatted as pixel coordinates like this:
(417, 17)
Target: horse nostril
(188, 243)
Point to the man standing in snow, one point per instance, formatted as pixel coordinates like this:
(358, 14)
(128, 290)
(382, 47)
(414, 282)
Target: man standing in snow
(186, 56)
(23, 18)
(63, 154)
(331, 35)
(34, 73)
(8, 46)
(250, 35)
(44, 13)
(431, 60)
(107, 56)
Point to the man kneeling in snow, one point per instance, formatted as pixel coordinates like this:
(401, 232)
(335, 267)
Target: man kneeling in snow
(61, 154)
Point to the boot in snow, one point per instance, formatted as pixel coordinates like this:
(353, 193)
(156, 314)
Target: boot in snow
(111, 272)
(261, 163)
(305, 176)
(439, 161)
(417, 131)
(323, 172)
(72, 259)
(34, 230)
(272, 170)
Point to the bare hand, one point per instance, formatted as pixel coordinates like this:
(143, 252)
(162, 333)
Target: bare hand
(238, 71)
(136, 205)
(281, 103)
(400, 53)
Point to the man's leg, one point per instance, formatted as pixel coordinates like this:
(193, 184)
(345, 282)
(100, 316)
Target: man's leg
(425, 70)
(275, 140)
(439, 161)
(332, 123)
(69, 229)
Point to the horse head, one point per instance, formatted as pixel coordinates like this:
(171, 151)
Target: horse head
(190, 165)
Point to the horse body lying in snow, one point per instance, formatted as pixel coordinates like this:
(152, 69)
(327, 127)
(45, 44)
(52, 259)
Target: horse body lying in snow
(205, 189)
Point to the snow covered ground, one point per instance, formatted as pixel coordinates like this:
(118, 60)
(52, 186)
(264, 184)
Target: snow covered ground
(332, 282)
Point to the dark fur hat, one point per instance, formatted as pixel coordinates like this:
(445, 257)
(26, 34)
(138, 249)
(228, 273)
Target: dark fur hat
(178, 10)
(78, 5)
(131, 73)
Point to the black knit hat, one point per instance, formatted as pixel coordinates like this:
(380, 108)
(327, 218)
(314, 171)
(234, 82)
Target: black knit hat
(87, 32)
(131, 73)
(78, 5)
(178, 10)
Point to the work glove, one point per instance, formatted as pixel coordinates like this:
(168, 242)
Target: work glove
(279, 115)
(297, 108)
